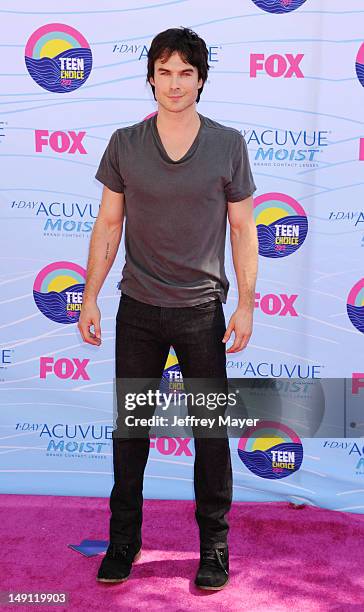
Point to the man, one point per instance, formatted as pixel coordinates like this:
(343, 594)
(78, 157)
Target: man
(176, 177)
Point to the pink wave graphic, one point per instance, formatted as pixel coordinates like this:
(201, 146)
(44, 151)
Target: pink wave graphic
(53, 27)
(283, 197)
(56, 266)
(354, 292)
(265, 425)
(360, 56)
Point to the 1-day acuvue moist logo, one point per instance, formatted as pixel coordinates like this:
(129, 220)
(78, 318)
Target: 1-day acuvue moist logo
(355, 305)
(279, 6)
(281, 222)
(58, 57)
(58, 291)
(359, 64)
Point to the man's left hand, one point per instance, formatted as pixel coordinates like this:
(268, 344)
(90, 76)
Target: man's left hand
(241, 323)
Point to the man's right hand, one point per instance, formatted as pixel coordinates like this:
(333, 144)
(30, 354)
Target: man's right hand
(90, 315)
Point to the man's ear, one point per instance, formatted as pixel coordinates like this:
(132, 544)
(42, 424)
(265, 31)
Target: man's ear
(151, 81)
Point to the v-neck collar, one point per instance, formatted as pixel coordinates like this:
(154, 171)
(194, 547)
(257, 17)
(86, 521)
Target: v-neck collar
(163, 151)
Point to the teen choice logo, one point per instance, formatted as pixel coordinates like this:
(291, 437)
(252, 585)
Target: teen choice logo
(279, 6)
(271, 450)
(359, 64)
(171, 381)
(58, 57)
(355, 305)
(281, 224)
(58, 291)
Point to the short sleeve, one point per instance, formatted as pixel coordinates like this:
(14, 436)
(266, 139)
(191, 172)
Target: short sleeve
(108, 171)
(241, 183)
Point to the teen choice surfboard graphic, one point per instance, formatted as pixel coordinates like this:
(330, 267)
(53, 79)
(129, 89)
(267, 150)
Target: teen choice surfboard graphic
(58, 57)
(271, 450)
(281, 224)
(355, 305)
(58, 291)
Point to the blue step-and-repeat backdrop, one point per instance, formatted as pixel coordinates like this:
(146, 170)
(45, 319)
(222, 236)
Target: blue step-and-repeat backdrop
(289, 74)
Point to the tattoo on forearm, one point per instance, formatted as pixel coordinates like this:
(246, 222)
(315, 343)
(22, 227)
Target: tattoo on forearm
(107, 250)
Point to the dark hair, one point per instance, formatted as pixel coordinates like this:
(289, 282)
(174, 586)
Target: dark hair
(189, 45)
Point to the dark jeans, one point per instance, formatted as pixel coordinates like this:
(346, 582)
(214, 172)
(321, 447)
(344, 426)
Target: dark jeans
(144, 334)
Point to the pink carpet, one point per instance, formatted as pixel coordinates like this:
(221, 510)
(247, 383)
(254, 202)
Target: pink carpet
(281, 558)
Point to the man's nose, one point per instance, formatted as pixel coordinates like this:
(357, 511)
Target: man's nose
(174, 83)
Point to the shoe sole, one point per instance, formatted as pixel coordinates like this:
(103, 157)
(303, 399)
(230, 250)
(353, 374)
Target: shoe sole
(137, 556)
(212, 588)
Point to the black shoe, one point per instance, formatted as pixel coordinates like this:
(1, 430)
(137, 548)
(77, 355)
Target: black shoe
(213, 572)
(116, 565)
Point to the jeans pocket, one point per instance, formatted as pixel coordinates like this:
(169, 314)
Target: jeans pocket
(210, 306)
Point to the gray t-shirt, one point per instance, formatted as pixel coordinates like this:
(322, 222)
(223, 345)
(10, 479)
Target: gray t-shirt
(176, 211)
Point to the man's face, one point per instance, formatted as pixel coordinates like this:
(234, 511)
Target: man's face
(176, 83)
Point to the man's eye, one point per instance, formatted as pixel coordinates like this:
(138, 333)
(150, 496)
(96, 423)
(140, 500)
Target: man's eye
(185, 74)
